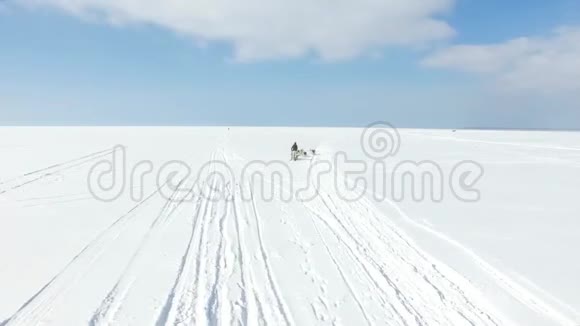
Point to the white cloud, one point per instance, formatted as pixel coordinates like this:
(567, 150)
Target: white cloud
(549, 64)
(272, 29)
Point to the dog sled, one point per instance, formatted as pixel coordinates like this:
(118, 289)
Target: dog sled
(302, 154)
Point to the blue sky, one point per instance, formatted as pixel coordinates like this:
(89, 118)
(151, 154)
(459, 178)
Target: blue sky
(99, 65)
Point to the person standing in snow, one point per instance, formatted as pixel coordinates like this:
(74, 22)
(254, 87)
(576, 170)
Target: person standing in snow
(294, 150)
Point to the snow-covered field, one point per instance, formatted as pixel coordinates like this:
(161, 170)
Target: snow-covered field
(173, 253)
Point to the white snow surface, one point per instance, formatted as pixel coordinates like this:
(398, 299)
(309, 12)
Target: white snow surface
(67, 258)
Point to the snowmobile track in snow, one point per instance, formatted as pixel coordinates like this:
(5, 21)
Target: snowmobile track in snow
(37, 175)
(401, 273)
(265, 260)
(181, 306)
(114, 299)
(42, 303)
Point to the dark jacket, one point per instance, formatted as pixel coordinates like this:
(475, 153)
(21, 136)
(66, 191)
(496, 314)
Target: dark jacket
(294, 147)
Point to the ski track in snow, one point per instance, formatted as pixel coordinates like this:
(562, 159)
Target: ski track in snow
(516, 290)
(246, 299)
(402, 281)
(502, 143)
(184, 301)
(513, 288)
(180, 290)
(340, 269)
(37, 175)
(265, 305)
(398, 293)
(218, 306)
(265, 260)
(112, 303)
(43, 302)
